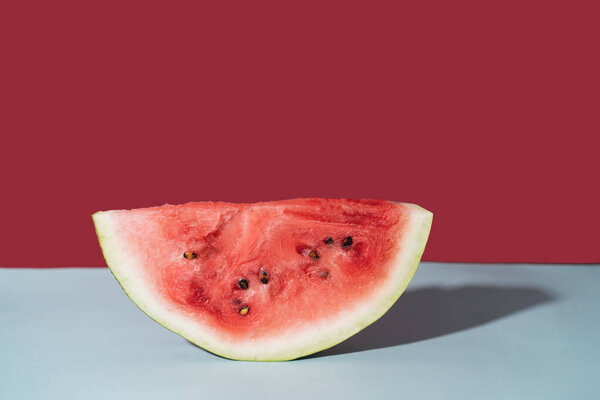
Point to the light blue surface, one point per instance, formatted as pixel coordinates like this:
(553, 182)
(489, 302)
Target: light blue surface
(461, 331)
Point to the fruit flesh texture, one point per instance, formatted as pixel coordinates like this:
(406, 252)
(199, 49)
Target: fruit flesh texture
(241, 241)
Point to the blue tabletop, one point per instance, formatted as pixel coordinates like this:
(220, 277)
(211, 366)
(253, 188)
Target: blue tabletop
(461, 331)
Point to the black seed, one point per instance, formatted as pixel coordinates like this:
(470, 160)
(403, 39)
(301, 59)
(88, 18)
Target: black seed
(243, 284)
(190, 255)
(264, 277)
(244, 310)
(347, 241)
(313, 254)
(328, 240)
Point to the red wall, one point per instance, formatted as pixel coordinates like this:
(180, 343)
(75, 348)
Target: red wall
(487, 113)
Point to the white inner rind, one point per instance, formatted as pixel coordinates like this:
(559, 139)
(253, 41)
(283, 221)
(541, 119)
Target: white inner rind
(129, 271)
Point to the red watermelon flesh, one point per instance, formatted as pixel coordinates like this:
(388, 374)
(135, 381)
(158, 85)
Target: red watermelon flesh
(272, 280)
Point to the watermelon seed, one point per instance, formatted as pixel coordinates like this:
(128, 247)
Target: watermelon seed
(329, 240)
(314, 254)
(264, 277)
(244, 310)
(190, 255)
(243, 284)
(324, 274)
(347, 241)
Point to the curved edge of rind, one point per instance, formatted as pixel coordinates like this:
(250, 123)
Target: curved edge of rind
(407, 262)
(110, 251)
(414, 237)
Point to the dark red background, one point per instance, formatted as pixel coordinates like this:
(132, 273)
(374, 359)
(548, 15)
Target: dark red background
(486, 113)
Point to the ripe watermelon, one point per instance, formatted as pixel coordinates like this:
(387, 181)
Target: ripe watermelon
(265, 281)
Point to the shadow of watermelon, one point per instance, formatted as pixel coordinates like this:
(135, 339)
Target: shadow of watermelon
(431, 312)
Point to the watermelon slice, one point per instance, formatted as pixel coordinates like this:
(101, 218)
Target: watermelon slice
(265, 281)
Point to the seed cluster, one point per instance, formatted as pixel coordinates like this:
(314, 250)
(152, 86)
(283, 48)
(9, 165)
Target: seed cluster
(346, 242)
(263, 275)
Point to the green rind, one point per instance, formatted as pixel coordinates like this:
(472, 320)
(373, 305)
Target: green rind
(421, 241)
(410, 265)
(115, 275)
